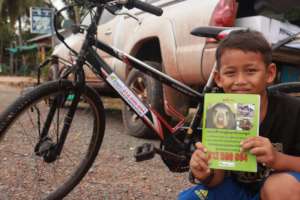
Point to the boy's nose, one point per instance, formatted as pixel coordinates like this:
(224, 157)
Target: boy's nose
(240, 79)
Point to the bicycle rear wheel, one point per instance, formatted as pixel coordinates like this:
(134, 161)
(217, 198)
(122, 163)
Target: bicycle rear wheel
(25, 173)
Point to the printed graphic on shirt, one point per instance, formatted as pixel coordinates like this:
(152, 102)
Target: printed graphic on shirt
(202, 194)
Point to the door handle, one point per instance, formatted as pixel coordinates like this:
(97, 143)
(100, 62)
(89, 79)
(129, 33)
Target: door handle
(108, 32)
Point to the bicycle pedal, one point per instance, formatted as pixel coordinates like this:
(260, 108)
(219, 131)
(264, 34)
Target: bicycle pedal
(144, 152)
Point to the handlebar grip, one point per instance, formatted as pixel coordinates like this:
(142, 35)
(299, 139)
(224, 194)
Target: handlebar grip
(145, 7)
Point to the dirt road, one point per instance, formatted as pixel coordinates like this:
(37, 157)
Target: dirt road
(7, 95)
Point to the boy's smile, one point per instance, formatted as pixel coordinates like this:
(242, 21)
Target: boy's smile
(244, 72)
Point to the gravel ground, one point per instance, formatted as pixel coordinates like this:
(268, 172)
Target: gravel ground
(115, 174)
(118, 176)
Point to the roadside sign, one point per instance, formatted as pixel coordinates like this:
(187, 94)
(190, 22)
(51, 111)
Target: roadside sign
(41, 20)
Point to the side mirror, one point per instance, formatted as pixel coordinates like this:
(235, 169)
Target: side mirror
(67, 24)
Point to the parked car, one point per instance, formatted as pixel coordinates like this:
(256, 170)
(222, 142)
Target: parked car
(166, 44)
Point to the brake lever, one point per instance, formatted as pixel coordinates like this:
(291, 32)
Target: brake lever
(119, 12)
(115, 8)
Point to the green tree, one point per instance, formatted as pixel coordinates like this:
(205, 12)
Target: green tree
(6, 36)
(11, 12)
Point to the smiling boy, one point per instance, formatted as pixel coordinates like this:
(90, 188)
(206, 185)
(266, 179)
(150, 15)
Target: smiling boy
(245, 67)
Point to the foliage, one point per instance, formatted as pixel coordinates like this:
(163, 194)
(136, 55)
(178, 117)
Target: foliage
(14, 9)
(3, 69)
(11, 11)
(6, 34)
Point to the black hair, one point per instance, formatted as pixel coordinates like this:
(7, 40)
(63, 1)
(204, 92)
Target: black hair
(247, 41)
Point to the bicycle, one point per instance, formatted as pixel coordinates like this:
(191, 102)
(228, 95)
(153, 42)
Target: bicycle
(51, 143)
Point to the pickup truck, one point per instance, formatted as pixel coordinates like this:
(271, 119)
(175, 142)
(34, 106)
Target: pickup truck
(165, 43)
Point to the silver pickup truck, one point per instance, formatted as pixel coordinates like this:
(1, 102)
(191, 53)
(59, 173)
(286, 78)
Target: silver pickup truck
(165, 43)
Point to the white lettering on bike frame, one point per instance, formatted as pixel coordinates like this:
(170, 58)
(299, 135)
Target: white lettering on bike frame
(127, 94)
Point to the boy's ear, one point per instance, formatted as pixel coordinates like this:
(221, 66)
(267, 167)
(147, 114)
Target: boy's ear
(271, 73)
(217, 79)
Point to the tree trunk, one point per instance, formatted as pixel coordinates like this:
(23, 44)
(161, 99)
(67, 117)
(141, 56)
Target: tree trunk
(1, 51)
(20, 31)
(11, 63)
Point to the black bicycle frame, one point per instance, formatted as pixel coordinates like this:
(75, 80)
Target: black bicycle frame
(101, 69)
(104, 71)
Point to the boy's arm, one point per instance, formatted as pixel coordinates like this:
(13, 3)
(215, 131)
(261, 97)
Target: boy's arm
(284, 162)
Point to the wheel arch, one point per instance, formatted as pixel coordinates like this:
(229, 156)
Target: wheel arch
(152, 40)
(146, 49)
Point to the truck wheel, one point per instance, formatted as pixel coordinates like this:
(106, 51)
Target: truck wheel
(148, 90)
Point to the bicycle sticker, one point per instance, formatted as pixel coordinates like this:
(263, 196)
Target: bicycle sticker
(127, 94)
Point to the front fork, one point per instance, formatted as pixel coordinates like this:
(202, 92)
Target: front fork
(46, 147)
(50, 150)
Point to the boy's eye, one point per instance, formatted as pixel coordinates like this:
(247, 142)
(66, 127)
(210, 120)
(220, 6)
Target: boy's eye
(251, 70)
(229, 73)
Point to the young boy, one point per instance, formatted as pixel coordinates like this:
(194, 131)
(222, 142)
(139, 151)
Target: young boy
(244, 66)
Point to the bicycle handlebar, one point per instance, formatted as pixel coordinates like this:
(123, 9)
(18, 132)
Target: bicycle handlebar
(284, 41)
(144, 6)
(129, 4)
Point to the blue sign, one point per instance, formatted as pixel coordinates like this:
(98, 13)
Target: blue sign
(41, 20)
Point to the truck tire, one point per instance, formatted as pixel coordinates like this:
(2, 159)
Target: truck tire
(148, 90)
(53, 73)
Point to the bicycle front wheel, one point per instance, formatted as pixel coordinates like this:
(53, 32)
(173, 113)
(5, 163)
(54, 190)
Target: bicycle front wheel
(26, 171)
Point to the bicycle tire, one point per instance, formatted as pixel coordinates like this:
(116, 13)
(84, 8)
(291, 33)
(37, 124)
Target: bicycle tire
(11, 132)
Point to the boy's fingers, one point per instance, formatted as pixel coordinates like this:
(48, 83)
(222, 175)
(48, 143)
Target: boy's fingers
(199, 164)
(200, 146)
(258, 151)
(249, 144)
(200, 155)
(259, 139)
(247, 140)
(199, 160)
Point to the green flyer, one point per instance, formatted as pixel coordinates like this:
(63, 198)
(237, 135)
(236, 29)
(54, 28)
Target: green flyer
(228, 119)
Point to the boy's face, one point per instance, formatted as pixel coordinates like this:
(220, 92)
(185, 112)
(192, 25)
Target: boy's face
(244, 72)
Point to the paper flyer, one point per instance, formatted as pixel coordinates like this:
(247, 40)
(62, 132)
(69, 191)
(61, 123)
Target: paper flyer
(227, 120)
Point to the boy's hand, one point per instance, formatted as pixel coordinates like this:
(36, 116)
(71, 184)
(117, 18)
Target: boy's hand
(262, 148)
(199, 162)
